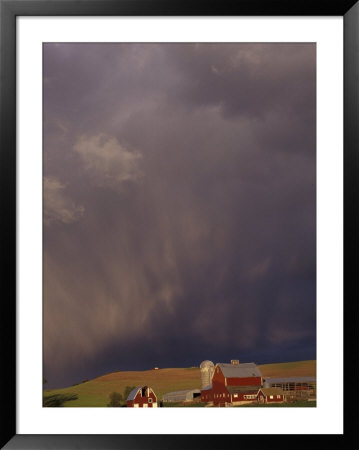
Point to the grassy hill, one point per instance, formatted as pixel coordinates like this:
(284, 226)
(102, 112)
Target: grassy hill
(96, 392)
(290, 369)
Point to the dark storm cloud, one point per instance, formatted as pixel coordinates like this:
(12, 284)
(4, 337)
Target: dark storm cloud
(248, 80)
(180, 192)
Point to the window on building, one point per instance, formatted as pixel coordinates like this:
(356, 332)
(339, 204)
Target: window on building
(278, 396)
(271, 397)
(235, 395)
(150, 400)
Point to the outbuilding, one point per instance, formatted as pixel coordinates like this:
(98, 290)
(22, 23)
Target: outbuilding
(270, 395)
(187, 395)
(142, 397)
(294, 387)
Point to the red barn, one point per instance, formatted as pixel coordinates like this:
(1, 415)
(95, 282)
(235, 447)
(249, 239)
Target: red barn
(233, 383)
(142, 397)
(270, 395)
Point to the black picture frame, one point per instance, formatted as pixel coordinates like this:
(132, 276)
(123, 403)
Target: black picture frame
(9, 10)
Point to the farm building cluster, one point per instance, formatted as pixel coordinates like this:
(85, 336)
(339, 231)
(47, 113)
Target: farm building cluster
(232, 384)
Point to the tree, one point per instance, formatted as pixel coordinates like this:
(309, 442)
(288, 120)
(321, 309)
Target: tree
(116, 399)
(58, 399)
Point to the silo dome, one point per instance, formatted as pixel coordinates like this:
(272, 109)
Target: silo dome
(207, 368)
(206, 363)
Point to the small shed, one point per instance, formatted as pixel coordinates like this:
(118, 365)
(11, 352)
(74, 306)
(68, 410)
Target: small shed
(270, 395)
(142, 397)
(181, 396)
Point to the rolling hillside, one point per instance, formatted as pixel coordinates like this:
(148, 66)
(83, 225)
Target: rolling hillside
(96, 392)
(290, 369)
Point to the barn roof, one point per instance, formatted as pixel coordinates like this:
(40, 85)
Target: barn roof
(133, 393)
(207, 388)
(272, 391)
(244, 370)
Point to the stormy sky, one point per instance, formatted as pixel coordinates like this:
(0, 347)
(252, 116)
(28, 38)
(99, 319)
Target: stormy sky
(179, 206)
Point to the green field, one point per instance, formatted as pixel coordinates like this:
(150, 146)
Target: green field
(95, 393)
(302, 404)
(181, 404)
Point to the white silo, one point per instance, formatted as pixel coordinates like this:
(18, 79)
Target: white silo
(207, 368)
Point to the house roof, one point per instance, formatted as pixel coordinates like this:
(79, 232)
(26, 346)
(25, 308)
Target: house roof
(272, 391)
(133, 393)
(244, 370)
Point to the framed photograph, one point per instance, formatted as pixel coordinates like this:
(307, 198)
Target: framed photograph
(174, 176)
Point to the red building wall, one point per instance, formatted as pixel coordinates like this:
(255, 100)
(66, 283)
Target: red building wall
(250, 381)
(142, 400)
(207, 396)
(218, 377)
(219, 394)
(266, 399)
